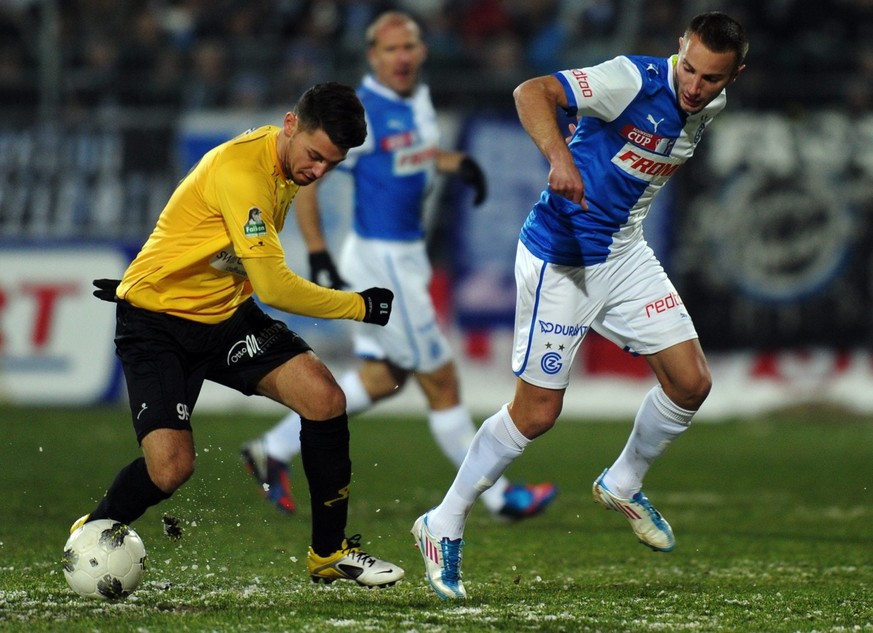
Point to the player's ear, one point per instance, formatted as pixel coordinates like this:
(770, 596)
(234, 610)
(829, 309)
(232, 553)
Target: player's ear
(737, 73)
(290, 123)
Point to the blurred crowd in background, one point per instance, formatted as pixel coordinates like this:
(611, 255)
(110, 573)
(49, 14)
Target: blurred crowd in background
(183, 55)
(105, 104)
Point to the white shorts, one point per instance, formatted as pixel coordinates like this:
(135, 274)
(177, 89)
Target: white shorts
(628, 300)
(412, 339)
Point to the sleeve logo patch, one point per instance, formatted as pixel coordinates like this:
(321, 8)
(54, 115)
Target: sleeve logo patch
(255, 226)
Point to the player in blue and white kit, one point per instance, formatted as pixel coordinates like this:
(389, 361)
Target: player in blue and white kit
(392, 173)
(582, 263)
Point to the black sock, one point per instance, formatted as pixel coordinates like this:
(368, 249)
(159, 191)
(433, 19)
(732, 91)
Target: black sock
(324, 449)
(130, 495)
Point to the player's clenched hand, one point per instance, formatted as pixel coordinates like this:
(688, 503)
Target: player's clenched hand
(565, 180)
(323, 272)
(378, 305)
(106, 289)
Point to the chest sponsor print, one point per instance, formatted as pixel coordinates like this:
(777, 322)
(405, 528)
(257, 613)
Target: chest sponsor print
(413, 160)
(645, 165)
(228, 262)
(649, 141)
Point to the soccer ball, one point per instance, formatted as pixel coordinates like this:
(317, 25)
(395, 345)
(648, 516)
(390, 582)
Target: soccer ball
(104, 559)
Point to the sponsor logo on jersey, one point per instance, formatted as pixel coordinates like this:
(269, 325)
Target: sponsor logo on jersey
(582, 81)
(645, 165)
(669, 302)
(255, 225)
(396, 123)
(228, 262)
(398, 141)
(414, 160)
(648, 141)
(655, 123)
(547, 327)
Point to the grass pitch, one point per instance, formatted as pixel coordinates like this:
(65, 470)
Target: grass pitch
(773, 519)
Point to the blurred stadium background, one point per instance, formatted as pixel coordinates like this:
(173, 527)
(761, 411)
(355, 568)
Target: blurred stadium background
(104, 105)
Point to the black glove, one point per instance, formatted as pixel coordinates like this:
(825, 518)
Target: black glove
(378, 304)
(323, 272)
(470, 172)
(106, 289)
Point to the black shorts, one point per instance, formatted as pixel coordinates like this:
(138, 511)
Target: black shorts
(166, 359)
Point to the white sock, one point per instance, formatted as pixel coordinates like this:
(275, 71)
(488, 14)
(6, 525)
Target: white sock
(454, 430)
(494, 447)
(357, 398)
(283, 440)
(659, 421)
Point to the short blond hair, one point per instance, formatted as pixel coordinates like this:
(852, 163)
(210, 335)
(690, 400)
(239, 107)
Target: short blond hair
(390, 18)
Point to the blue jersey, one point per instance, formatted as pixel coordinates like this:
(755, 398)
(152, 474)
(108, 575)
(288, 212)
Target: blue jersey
(394, 168)
(631, 138)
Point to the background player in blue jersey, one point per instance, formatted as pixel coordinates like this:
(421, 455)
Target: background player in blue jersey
(582, 263)
(392, 174)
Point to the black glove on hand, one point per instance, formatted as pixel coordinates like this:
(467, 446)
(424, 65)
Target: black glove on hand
(378, 303)
(323, 272)
(106, 289)
(470, 172)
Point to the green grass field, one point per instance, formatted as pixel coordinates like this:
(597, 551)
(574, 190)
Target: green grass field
(773, 518)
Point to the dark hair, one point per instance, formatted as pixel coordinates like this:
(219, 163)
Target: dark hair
(720, 33)
(336, 109)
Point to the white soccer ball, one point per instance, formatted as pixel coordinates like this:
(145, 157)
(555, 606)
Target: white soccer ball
(104, 559)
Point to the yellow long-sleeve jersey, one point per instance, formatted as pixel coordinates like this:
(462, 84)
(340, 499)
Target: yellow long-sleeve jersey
(217, 241)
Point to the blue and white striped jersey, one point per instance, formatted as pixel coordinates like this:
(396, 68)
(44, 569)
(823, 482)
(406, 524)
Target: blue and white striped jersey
(631, 138)
(394, 168)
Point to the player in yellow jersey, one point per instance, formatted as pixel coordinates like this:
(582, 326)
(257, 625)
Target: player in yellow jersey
(392, 174)
(185, 314)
